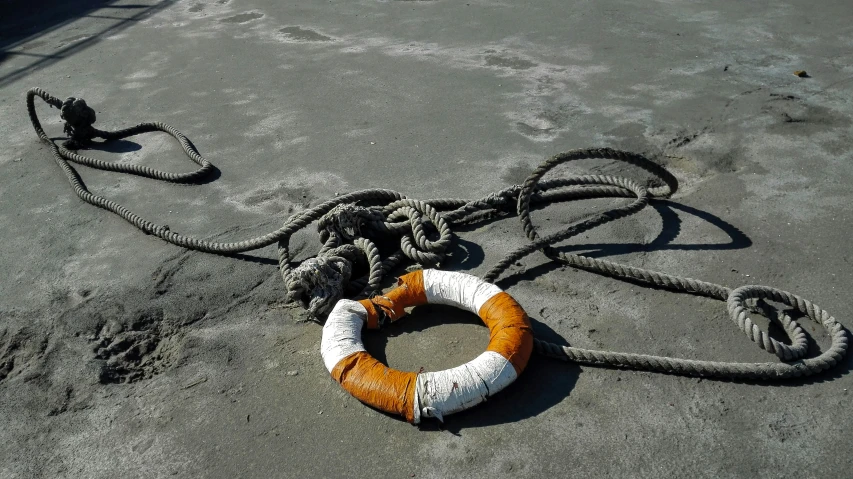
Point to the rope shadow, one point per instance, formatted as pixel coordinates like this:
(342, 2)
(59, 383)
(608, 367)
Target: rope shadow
(463, 255)
(114, 146)
(670, 230)
(127, 146)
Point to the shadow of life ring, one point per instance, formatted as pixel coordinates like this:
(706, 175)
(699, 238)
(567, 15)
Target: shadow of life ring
(428, 394)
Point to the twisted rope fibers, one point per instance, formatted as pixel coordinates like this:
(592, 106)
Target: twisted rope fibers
(350, 226)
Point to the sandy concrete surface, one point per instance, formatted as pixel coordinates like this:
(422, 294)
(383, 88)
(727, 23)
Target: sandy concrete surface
(123, 356)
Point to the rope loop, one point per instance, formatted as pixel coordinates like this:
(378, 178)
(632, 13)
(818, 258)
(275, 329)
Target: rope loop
(352, 228)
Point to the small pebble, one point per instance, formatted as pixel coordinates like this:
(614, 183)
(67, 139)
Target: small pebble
(293, 373)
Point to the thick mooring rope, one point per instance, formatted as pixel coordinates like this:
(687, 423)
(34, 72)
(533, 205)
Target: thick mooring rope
(353, 227)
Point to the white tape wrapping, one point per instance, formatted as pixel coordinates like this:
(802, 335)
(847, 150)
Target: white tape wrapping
(452, 390)
(342, 332)
(457, 289)
(440, 393)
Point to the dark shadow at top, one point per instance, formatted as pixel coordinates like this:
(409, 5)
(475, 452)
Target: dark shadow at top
(24, 24)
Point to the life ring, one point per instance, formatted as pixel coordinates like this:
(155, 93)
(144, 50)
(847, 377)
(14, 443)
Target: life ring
(428, 394)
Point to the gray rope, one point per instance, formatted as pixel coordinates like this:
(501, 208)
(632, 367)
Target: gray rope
(352, 225)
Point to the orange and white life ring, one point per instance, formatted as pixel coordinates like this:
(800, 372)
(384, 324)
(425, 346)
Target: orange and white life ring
(428, 394)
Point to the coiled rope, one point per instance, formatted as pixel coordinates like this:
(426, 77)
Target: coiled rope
(352, 225)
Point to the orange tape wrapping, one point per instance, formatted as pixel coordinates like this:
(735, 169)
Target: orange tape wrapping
(511, 333)
(376, 384)
(393, 391)
(409, 292)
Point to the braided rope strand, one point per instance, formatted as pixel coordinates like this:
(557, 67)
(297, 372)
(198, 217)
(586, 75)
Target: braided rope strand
(349, 229)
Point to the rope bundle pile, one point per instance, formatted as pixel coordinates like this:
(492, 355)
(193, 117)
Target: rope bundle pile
(354, 226)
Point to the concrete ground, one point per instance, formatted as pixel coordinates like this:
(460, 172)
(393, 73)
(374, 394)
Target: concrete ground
(124, 356)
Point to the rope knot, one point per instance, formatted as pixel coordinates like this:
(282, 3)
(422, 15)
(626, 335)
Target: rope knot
(318, 283)
(346, 221)
(79, 118)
